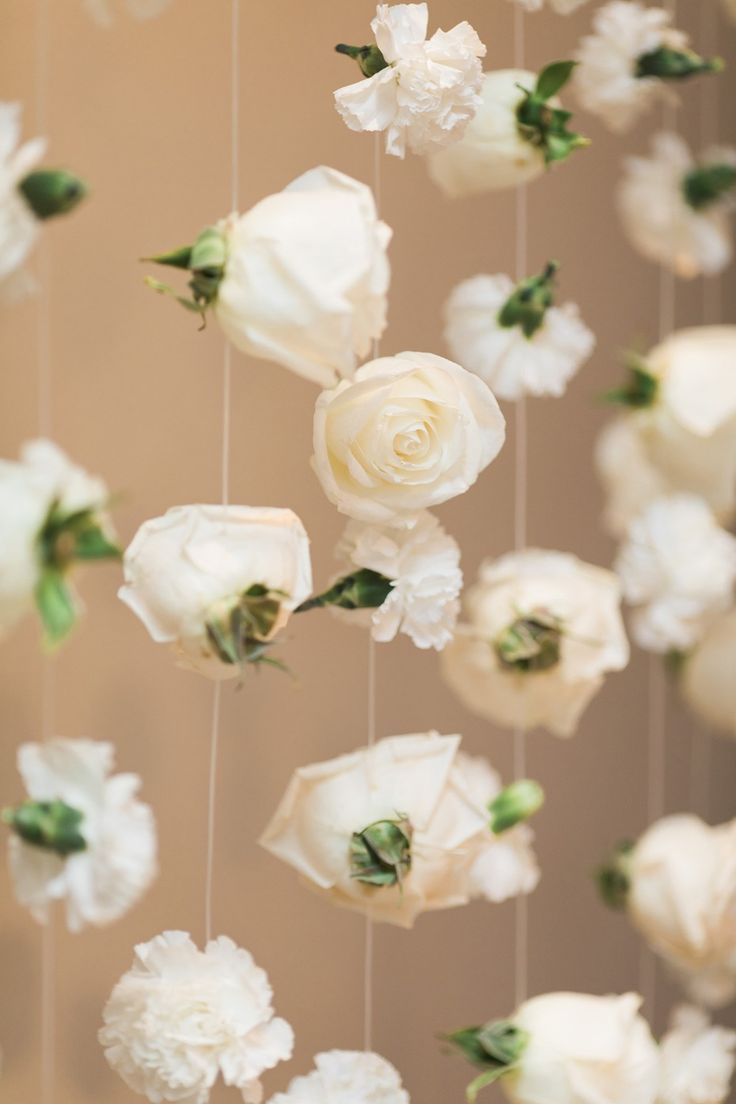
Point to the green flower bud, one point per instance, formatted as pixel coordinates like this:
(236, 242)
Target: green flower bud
(206, 261)
(518, 802)
(50, 825)
(614, 876)
(380, 855)
(496, 1047)
(708, 184)
(639, 392)
(240, 629)
(369, 58)
(531, 643)
(669, 64)
(545, 126)
(364, 589)
(51, 192)
(527, 306)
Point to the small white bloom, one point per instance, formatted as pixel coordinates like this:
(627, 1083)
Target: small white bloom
(19, 227)
(571, 606)
(101, 883)
(427, 93)
(180, 1018)
(306, 276)
(346, 1077)
(102, 11)
(182, 569)
(707, 679)
(678, 567)
(407, 433)
(698, 1059)
(512, 364)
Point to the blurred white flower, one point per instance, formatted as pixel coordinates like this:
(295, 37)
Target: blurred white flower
(19, 227)
(427, 90)
(346, 1077)
(707, 678)
(629, 478)
(102, 11)
(180, 1018)
(697, 1059)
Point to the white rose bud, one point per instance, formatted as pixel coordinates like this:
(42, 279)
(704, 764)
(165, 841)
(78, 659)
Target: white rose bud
(707, 678)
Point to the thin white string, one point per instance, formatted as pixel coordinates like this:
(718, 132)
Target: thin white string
(225, 461)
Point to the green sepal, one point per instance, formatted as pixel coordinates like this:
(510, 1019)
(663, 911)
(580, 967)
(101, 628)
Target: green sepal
(674, 662)
(516, 803)
(708, 184)
(206, 260)
(380, 855)
(529, 302)
(369, 58)
(240, 631)
(66, 538)
(669, 64)
(544, 126)
(531, 643)
(639, 392)
(363, 589)
(56, 605)
(52, 192)
(497, 1047)
(177, 258)
(614, 877)
(50, 825)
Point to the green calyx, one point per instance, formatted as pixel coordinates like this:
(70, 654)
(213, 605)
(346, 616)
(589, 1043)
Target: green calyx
(51, 192)
(240, 630)
(669, 64)
(496, 1047)
(707, 185)
(369, 58)
(51, 825)
(380, 855)
(614, 877)
(205, 260)
(531, 643)
(364, 589)
(544, 126)
(640, 390)
(515, 804)
(528, 304)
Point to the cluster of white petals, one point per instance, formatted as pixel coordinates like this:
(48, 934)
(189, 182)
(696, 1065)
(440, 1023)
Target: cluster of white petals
(19, 226)
(346, 1077)
(678, 567)
(444, 797)
(103, 11)
(180, 1017)
(306, 276)
(682, 897)
(101, 883)
(707, 680)
(183, 568)
(606, 78)
(697, 1059)
(659, 221)
(427, 93)
(423, 564)
(561, 7)
(512, 364)
(582, 600)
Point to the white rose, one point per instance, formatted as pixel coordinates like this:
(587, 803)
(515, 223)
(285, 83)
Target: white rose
(584, 1050)
(427, 92)
(187, 567)
(697, 378)
(346, 1077)
(682, 897)
(678, 567)
(408, 432)
(511, 363)
(697, 1059)
(19, 227)
(102, 882)
(568, 614)
(707, 680)
(306, 276)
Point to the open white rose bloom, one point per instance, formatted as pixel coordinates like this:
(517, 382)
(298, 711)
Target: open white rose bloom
(422, 92)
(707, 678)
(697, 1059)
(542, 630)
(678, 568)
(399, 828)
(217, 583)
(408, 432)
(82, 837)
(19, 227)
(103, 11)
(512, 362)
(180, 1018)
(346, 1077)
(676, 209)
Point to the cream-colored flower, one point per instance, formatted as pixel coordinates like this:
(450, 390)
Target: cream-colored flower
(101, 882)
(543, 629)
(180, 1018)
(511, 363)
(697, 1059)
(186, 572)
(629, 478)
(427, 92)
(19, 227)
(707, 679)
(346, 1077)
(678, 568)
(407, 433)
(103, 11)
(682, 897)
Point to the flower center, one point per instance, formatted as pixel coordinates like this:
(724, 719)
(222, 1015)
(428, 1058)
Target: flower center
(412, 443)
(380, 855)
(530, 643)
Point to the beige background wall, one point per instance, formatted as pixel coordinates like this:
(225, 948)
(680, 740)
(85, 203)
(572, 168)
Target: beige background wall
(141, 111)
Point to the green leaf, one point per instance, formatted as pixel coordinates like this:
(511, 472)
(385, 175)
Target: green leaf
(56, 605)
(553, 78)
(547, 127)
(363, 589)
(93, 544)
(482, 1080)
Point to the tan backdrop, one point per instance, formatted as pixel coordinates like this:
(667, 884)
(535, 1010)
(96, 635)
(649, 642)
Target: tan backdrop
(142, 111)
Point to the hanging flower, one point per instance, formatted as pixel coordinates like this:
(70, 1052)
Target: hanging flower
(519, 130)
(626, 65)
(401, 580)
(346, 1077)
(422, 92)
(81, 836)
(543, 629)
(395, 829)
(52, 517)
(102, 11)
(678, 568)
(676, 209)
(180, 1018)
(301, 279)
(697, 1059)
(707, 676)
(678, 886)
(218, 583)
(561, 7)
(513, 337)
(566, 1048)
(407, 433)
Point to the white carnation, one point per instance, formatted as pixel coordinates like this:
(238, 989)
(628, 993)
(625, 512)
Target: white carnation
(707, 681)
(697, 1059)
(19, 227)
(427, 93)
(346, 1077)
(182, 1017)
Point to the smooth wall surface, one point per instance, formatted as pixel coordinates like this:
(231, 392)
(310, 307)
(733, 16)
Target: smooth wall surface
(142, 111)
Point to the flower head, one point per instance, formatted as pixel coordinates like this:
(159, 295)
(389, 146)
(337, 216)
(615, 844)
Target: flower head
(19, 227)
(697, 1059)
(346, 1077)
